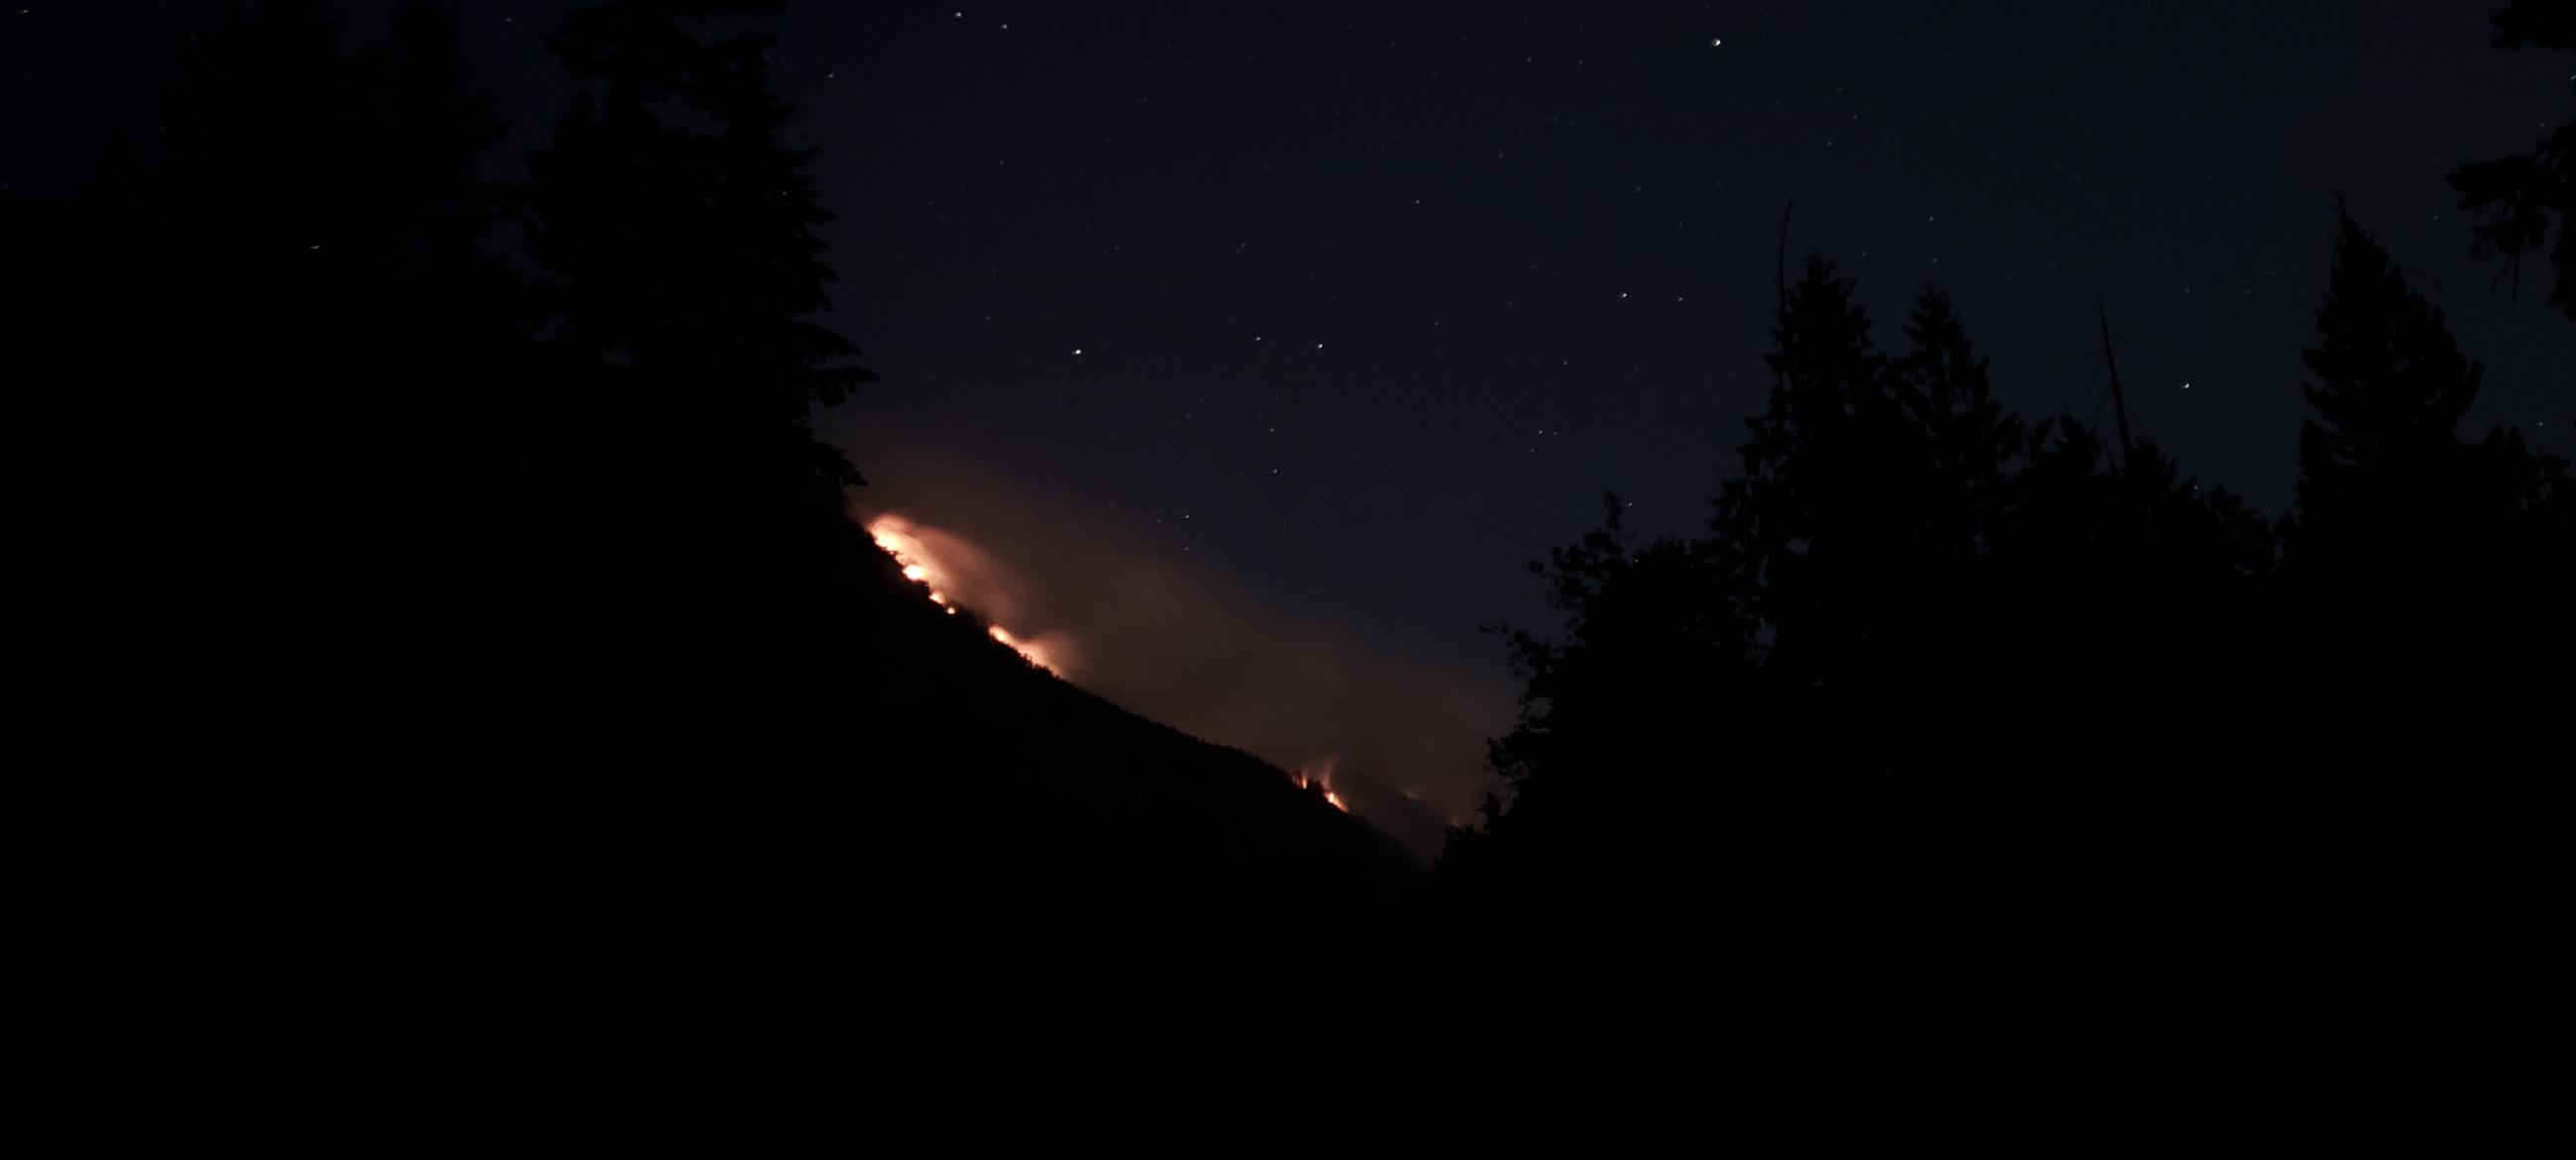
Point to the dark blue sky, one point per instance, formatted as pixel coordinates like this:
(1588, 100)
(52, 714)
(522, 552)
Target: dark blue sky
(1373, 300)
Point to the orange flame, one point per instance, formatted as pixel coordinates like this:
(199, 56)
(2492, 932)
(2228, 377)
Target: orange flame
(1029, 650)
(1322, 783)
(894, 536)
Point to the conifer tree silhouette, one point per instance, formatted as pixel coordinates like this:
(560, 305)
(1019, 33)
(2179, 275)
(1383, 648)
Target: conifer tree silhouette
(2527, 197)
(676, 229)
(1821, 509)
(2386, 521)
(2392, 388)
(2413, 550)
(1970, 441)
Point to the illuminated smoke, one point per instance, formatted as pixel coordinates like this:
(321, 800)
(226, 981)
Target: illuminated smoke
(1379, 734)
(910, 545)
(1323, 783)
(952, 561)
(1034, 652)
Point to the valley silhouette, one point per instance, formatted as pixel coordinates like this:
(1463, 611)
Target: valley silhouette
(436, 487)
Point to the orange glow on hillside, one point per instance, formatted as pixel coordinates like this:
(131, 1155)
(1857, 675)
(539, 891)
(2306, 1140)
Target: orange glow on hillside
(909, 544)
(896, 536)
(1033, 651)
(1322, 782)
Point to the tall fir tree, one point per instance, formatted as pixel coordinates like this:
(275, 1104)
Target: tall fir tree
(1816, 510)
(671, 225)
(675, 225)
(2524, 198)
(1970, 440)
(2379, 462)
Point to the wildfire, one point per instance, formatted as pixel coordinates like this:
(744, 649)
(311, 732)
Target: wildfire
(1322, 782)
(903, 540)
(895, 536)
(1034, 652)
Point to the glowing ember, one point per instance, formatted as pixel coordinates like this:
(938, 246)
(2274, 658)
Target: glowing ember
(894, 535)
(1030, 650)
(1322, 782)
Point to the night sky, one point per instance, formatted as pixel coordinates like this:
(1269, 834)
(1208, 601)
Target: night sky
(1348, 310)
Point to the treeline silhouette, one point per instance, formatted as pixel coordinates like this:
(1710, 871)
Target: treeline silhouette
(443, 567)
(1944, 692)
(463, 543)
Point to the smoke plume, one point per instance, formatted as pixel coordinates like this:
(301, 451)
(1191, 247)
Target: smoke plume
(1396, 740)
